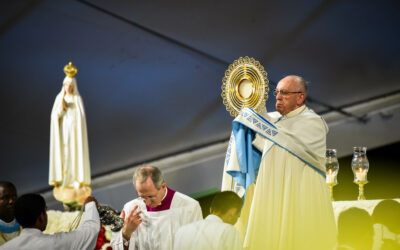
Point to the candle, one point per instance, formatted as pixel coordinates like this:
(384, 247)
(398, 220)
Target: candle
(330, 176)
(361, 175)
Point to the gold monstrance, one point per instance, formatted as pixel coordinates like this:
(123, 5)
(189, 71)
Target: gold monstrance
(245, 84)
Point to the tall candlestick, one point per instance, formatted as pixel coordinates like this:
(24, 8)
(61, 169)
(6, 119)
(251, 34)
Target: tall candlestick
(360, 166)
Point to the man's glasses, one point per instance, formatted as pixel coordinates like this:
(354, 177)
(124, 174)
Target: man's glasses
(285, 92)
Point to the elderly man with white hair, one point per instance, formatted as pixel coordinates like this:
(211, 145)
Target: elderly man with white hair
(278, 158)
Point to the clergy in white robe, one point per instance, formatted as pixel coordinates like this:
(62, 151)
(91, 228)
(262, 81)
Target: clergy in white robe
(277, 161)
(356, 230)
(9, 230)
(215, 232)
(152, 220)
(208, 234)
(9, 227)
(69, 152)
(30, 211)
(386, 217)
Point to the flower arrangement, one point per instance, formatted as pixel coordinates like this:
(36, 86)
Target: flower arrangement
(103, 239)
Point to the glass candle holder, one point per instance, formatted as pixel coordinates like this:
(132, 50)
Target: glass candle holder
(360, 167)
(332, 169)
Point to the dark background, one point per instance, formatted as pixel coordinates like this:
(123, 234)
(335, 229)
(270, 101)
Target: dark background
(150, 72)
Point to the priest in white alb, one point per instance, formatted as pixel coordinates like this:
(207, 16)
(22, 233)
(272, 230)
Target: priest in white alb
(31, 213)
(277, 162)
(152, 219)
(215, 232)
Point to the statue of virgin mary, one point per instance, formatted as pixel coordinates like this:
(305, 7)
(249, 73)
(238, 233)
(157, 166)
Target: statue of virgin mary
(69, 153)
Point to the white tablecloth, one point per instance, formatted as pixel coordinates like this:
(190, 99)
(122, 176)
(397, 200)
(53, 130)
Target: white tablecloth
(368, 205)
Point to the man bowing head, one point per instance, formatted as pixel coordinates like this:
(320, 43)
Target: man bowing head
(152, 219)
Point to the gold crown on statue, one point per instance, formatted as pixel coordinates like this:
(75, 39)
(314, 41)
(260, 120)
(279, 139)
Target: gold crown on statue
(70, 70)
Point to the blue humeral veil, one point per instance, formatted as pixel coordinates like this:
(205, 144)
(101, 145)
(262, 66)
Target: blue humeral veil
(248, 156)
(243, 159)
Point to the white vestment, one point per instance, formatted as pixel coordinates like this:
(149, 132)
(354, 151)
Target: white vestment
(290, 206)
(7, 235)
(157, 230)
(69, 153)
(84, 237)
(208, 234)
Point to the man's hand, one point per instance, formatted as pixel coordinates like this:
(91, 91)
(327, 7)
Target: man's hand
(89, 199)
(132, 221)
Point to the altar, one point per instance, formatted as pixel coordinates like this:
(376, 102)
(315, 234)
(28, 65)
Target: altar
(368, 205)
(381, 232)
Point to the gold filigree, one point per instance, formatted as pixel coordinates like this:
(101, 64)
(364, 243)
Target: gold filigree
(70, 70)
(245, 84)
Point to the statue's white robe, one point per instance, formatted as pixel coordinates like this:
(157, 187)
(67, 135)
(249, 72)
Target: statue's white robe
(69, 150)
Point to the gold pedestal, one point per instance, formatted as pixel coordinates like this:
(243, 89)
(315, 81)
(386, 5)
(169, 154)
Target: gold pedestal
(331, 185)
(361, 189)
